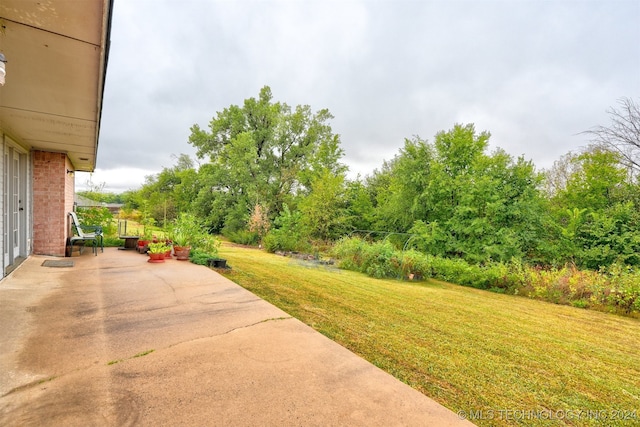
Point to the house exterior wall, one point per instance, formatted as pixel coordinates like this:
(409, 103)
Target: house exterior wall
(53, 190)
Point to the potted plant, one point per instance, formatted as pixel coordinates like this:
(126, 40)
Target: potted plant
(157, 251)
(169, 246)
(209, 245)
(217, 262)
(146, 235)
(184, 234)
(142, 243)
(145, 240)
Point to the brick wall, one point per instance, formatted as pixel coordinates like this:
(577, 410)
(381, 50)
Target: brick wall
(52, 200)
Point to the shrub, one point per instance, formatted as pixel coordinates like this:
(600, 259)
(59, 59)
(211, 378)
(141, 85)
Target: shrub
(624, 288)
(280, 240)
(199, 257)
(416, 264)
(243, 237)
(616, 288)
(97, 216)
(380, 260)
(348, 251)
(450, 270)
(288, 236)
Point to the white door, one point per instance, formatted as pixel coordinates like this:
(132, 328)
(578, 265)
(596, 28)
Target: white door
(5, 204)
(14, 219)
(15, 205)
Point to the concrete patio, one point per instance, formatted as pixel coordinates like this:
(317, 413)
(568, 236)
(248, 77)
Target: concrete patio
(116, 341)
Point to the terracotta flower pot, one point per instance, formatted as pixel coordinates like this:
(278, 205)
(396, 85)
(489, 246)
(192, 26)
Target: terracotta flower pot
(143, 245)
(156, 258)
(182, 252)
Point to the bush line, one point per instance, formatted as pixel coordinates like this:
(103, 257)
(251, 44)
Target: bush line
(613, 289)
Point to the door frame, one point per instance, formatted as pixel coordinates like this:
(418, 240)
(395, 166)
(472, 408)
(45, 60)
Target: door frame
(15, 204)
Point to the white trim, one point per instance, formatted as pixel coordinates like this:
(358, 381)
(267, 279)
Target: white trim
(13, 144)
(25, 203)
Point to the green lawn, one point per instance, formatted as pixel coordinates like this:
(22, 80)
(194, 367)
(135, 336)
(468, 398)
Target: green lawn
(468, 349)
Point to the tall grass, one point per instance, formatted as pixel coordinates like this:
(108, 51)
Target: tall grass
(614, 289)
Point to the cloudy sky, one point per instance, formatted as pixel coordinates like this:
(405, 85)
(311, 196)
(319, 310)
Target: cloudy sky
(534, 73)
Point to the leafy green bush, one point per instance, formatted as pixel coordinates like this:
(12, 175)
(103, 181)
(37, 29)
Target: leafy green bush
(279, 240)
(288, 234)
(381, 260)
(208, 244)
(97, 216)
(624, 291)
(349, 252)
(199, 257)
(243, 237)
(416, 265)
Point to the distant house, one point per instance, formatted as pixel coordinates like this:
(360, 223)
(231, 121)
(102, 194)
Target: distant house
(50, 111)
(83, 202)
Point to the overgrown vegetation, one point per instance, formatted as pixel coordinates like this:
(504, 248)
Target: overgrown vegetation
(614, 289)
(272, 175)
(469, 349)
(99, 216)
(446, 209)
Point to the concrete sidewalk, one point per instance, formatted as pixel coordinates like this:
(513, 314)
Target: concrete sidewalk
(116, 341)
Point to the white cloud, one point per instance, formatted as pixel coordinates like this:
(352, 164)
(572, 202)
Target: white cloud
(116, 180)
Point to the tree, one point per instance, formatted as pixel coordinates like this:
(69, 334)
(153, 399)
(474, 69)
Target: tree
(168, 192)
(462, 201)
(401, 199)
(595, 181)
(323, 210)
(264, 153)
(557, 177)
(360, 213)
(623, 134)
(595, 210)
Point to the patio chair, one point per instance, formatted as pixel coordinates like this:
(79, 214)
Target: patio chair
(86, 233)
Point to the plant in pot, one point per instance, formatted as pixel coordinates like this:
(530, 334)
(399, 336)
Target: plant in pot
(157, 251)
(169, 246)
(209, 245)
(184, 234)
(143, 242)
(146, 236)
(145, 239)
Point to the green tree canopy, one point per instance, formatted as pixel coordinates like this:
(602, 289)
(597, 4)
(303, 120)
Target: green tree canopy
(459, 198)
(264, 153)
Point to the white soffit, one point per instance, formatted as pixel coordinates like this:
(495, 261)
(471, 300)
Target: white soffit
(56, 54)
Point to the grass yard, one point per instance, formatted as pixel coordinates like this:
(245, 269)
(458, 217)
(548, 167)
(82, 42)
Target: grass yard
(503, 360)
